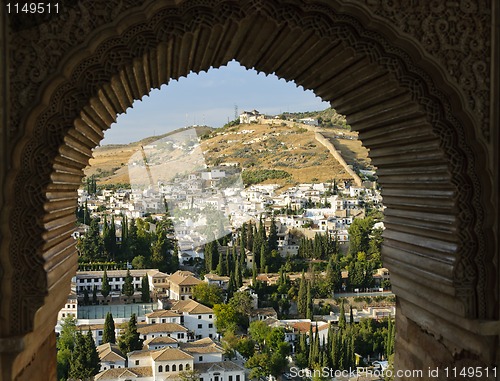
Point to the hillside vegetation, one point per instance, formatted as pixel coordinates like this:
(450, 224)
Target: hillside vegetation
(281, 153)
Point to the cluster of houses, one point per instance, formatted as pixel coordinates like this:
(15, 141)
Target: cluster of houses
(180, 336)
(227, 208)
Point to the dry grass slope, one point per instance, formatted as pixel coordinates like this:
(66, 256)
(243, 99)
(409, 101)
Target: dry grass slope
(253, 146)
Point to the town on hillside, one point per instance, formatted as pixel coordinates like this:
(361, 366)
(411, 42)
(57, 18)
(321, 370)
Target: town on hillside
(226, 273)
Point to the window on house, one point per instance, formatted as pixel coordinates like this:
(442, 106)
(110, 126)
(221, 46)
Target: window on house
(210, 325)
(136, 362)
(188, 366)
(99, 333)
(200, 358)
(174, 368)
(210, 335)
(210, 316)
(237, 377)
(199, 316)
(160, 369)
(167, 368)
(180, 367)
(111, 367)
(200, 326)
(230, 378)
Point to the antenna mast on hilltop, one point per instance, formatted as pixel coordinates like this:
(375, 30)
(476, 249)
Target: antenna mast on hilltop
(235, 112)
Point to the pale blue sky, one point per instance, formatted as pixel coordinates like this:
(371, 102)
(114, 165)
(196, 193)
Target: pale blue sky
(209, 98)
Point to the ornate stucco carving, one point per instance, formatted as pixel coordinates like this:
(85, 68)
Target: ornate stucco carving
(457, 34)
(131, 33)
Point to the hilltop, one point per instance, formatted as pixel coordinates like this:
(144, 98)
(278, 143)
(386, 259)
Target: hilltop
(276, 152)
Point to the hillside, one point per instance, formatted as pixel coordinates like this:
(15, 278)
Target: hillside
(109, 163)
(290, 149)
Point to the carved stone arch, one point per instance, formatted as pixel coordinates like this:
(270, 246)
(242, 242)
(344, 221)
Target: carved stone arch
(408, 111)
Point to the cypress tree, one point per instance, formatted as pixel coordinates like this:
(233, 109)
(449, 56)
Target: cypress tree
(342, 322)
(254, 273)
(129, 341)
(108, 335)
(243, 235)
(249, 242)
(351, 315)
(215, 255)
(78, 364)
(309, 308)
(263, 258)
(145, 296)
(273, 235)
(105, 288)
(227, 262)
(86, 299)
(302, 296)
(220, 265)
(128, 286)
(94, 296)
(311, 346)
(389, 339)
(93, 362)
(238, 276)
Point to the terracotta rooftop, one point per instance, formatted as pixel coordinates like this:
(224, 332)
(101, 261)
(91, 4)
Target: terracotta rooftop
(144, 329)
(169, 354)
(192, 307)
(184, 278)
(162, 314)
(160, 340)
(110, 352)
(206, 345)
(214, 366)
(124, 374)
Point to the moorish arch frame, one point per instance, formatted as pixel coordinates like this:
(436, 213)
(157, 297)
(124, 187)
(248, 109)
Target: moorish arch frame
(424, 119)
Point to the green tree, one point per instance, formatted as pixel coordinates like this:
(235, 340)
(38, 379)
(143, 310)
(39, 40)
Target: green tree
(302, 296)
(226, 317)
(86, 298)
(85, 361)
(342, 321)
(389, 339)
(93, 361)
(359, 235)
(129, 340)
(91, 247)
(207, 294)
(109, 239)
(65, 345)
(273, 235)
(246, 347)
(145, 296)
(189, 375)
(259, 332)
(139, 262)
(94, 296)
(128, 285)
(109, 329)
(105, 288)
(309, 299)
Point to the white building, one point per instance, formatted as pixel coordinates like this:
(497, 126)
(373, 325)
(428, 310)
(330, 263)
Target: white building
(111, 357)
(202, 356)
(196, 317)
(70, 308)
